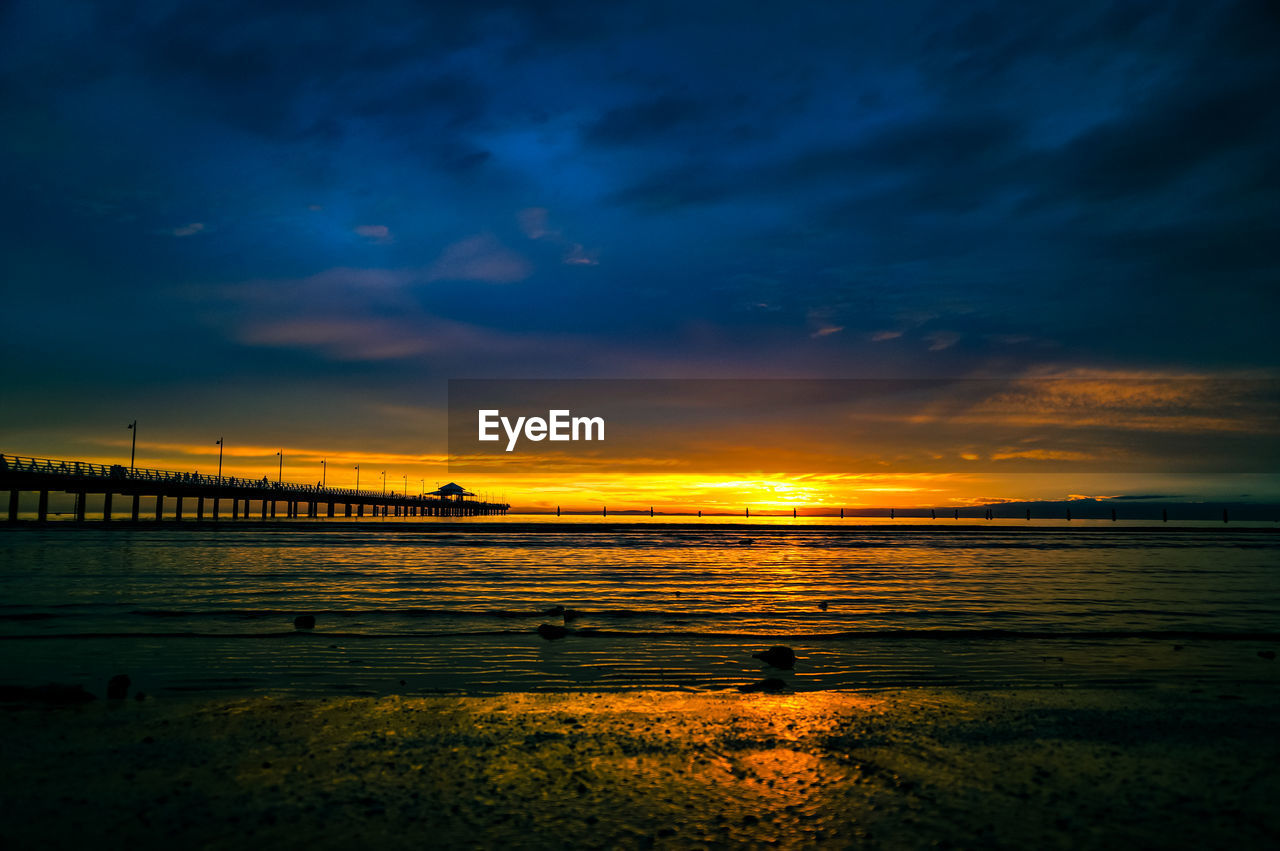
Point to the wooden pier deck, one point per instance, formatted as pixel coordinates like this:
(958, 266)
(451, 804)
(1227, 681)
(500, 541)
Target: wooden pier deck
(206, 497)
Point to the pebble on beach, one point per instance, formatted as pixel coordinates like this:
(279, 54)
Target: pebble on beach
(304, 622)
(778, 656)
(118, 687)
(551, 632)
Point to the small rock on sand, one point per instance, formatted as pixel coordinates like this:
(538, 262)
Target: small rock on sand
(118, 687)
(304, 622)
(551, 632)
(779, 656)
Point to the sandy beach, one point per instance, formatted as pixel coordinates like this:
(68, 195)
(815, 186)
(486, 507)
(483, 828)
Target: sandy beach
(914, 768)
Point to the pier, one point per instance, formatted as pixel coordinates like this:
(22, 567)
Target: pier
(201, 497)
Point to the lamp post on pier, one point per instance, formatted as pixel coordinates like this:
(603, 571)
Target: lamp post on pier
(357, 478)
(220, 448)
(280, 472)
(384, 482)
(324, 471)
(133, 449)
(406, 487)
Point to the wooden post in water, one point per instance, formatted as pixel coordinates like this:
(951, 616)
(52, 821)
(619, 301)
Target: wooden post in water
(137, 500)
(13, 506)
(159, 506)
(177, 514)
(106, 507)
(42, 507)
(1224, 515)
(1164, 515)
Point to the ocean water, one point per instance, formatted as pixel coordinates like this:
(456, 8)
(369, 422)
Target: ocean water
(415, 607)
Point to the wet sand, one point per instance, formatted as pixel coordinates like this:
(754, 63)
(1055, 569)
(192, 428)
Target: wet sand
(912, 768)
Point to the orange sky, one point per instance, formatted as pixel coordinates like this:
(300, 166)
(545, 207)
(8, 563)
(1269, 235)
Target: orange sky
(896, 444)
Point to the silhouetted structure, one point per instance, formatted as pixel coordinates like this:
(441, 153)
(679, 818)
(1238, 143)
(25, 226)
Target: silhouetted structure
(43, 475)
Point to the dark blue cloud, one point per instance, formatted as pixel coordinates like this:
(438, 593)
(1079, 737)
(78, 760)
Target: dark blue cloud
(822, 189)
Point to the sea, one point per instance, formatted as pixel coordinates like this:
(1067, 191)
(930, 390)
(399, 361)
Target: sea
(427, 606)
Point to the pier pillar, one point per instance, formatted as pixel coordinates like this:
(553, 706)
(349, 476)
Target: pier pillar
(199, 508)
(360, 510)
(42, 510)
(106, 507)
(235, 508)
(348, 510)
(137, 507)
(273, 509)
(177, 512)
(13, 506)
(264, 509)
(80, 498)
(159, 506)
(1164, 515)
(331, 509)
(216, 500)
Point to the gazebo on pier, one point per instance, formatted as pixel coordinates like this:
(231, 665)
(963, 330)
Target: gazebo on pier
(453, 491)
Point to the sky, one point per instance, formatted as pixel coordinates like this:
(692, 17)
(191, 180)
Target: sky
(290, 224)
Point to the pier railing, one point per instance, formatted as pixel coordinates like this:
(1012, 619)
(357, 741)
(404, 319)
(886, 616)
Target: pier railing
(143, 475)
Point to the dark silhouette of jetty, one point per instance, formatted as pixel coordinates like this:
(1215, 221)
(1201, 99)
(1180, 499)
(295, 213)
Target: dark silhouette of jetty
(80, 478)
